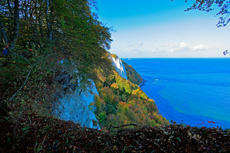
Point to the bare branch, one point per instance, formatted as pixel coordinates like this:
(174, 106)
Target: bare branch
(32, 66)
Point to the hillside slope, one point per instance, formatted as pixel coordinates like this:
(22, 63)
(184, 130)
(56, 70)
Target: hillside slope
(132, 74)
(122, 102)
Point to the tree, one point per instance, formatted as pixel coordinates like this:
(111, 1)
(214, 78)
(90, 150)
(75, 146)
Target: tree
(102, 117)
(207, 5)
(40, 35)
(13, 13)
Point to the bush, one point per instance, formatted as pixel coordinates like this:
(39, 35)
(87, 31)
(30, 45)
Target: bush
(102, 117)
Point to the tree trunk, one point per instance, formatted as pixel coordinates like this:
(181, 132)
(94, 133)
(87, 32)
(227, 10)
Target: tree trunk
(47, 18)
(40, 22)
(51, 22)
(16, 23)
(3, 33)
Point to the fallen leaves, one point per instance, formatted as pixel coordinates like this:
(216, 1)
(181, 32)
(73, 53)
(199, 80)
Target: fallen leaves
(47, 134)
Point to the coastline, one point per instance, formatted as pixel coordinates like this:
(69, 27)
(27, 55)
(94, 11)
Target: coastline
(142, 83)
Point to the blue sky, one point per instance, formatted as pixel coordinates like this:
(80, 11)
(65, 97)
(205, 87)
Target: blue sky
(161, 28)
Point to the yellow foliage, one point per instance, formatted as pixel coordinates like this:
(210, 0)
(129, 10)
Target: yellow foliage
(150, 100)
(99, 74)
(114, 55)
(114, 86)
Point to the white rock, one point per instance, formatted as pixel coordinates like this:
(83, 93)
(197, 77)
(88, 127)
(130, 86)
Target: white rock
(75, 108)
(120, 68)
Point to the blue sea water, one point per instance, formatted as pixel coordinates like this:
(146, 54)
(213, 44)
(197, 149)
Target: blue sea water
(188, 90)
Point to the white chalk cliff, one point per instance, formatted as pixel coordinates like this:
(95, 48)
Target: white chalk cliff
(75, 107)
(120, 68)
(74, 104)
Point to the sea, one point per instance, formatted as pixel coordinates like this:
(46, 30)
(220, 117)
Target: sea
(189, 91)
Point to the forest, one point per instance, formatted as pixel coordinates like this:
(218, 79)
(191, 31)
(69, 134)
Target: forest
(36, 36)
(40, 37)
(123, 102)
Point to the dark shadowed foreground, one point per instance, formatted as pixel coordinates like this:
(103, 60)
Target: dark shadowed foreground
(32, 133)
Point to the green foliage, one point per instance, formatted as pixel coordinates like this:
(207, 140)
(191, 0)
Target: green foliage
(151, 106)
(132, 116)
(109, 97)
(110, 109)
(152, 123)
(132, 74)
(122, 119)
(123, 97)
(102, 117)
(122, 108)
(97, 102)
(109, 80)
(56, 36)
(49, 33)
(132, 104)
(114, 86)
(112, 120)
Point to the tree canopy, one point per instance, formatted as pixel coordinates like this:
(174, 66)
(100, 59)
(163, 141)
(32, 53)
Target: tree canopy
(39, 34)
(208, 5)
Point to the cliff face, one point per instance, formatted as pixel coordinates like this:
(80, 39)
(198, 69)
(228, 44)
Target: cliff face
(75, 107)
(114, 100)
(120, 68)
(124, 70)
(73, 103)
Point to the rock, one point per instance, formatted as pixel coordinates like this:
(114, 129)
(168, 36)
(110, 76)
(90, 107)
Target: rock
(120, 68)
